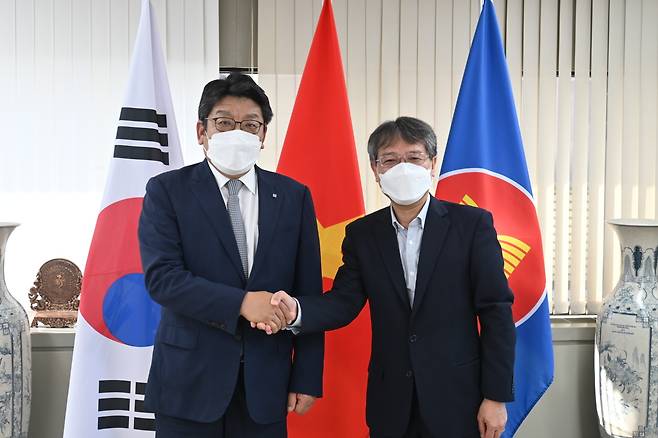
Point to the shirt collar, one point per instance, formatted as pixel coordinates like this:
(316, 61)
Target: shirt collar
(420, 218)
(248, 179)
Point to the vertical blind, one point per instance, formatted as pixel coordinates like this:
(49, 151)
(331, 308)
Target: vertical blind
(63, 71)
(585, 81)
(584, 75)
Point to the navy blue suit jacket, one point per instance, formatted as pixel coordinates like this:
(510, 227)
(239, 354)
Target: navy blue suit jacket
(192, 269)
(435, 345)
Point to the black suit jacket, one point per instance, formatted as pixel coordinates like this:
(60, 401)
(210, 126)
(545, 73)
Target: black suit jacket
(436, 345)
(192, 269)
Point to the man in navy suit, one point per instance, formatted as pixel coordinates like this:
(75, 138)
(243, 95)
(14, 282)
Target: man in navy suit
(216, 239)
(430, 270)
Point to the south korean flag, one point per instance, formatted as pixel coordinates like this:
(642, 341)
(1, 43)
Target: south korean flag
(117, 321)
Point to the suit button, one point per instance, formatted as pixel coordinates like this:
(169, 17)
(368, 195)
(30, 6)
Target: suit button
(222, 326)
(238, 337)
(412, 338)
(409, 373)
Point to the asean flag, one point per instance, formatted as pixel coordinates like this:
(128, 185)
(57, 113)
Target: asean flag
(484, 165)
(319, 151)
(117, 320)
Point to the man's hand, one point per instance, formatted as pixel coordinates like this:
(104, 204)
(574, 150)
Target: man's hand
(300, 403)
(288, 306)
(492, 418)
(257, 308)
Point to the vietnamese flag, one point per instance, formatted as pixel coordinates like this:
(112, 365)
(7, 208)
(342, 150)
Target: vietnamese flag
(319, 151)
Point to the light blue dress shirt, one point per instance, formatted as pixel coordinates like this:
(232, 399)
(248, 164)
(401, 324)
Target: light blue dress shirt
(409, 245)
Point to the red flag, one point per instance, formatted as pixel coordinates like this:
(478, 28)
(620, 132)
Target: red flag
(319, 151)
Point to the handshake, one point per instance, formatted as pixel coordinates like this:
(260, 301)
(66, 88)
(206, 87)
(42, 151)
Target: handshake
(269, 312)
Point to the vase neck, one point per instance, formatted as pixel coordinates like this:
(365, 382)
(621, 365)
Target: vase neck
(639, 247)
(5, 231)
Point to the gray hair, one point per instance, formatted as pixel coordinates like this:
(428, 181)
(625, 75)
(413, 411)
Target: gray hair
(409, 129)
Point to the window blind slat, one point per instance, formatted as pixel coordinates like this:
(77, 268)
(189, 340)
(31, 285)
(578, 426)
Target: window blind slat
(562, 174)
(596, 177)
(580, 153)
(547, 138)
(614, 129)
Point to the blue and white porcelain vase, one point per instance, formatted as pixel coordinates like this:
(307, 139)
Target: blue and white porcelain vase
(15, 356)
(626, 342)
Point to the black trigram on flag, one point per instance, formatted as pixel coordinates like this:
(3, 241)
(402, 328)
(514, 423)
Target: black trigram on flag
(119, 402)
(139, 135)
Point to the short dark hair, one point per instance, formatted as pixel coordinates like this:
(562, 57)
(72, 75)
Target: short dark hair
(409, 129)
(235, 84)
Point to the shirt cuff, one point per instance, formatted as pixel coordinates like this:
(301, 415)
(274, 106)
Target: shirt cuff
(296, 325)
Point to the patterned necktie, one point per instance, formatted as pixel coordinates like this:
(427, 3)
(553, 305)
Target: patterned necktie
(233, 206)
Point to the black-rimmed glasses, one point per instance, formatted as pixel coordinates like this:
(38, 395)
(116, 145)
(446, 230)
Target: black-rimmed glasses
(223, 124)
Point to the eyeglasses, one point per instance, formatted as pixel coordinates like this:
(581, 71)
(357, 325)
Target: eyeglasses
(385, 162)
(223, 124)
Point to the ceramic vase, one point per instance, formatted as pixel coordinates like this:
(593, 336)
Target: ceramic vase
(15, 354)
(626, 342)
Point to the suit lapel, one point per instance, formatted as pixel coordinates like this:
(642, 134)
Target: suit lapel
(269, 202)
(204, 187)
(387, 242)
(434, 234)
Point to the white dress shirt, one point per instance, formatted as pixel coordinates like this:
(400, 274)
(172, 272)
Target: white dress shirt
(409, 245)
(248, 196)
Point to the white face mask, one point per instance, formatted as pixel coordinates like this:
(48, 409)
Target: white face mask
(406, 183)
(233, 152)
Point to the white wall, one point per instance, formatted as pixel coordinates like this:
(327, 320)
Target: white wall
(63, 69)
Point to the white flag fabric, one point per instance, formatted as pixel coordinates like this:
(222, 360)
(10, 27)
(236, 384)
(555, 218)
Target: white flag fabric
(117, 320)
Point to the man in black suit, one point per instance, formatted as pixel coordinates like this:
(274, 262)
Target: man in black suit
(216, 238)
(430, 270)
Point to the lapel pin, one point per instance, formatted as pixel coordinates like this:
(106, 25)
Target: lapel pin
(274, 195)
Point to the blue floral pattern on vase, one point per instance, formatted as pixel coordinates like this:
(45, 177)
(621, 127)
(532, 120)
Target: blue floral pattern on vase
(626, 350)
(15, 357)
